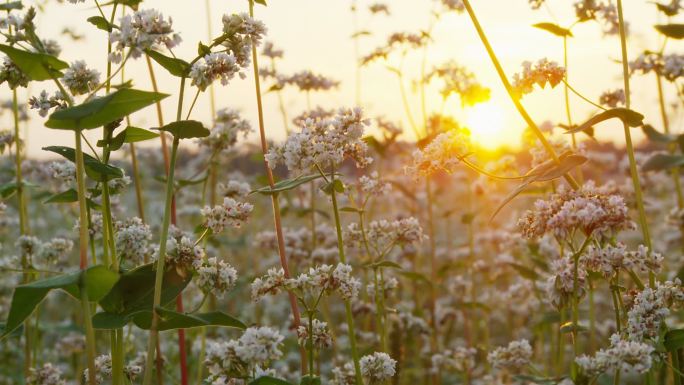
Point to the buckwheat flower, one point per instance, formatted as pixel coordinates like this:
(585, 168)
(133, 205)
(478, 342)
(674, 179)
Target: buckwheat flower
(230, 213)
(622, 355)
(372, 184)
(413, 324)
(117, 185)
(609, 260)
(327, 279)
(270, 51)
(459, 359)
(28, 245)
(215, 276)
(183, 253)
(458, 80)
(379, 8)
(541, 73)
(590, 209)
(259, 345)
(47, 374)
(613, 98)
(342, 282)
(132, 239)
(52, 47)
(673, 67)
(388, 284)
(324, 143)
(377, 367)
(214, 66)
(317, 114)
(650, 307)
(270, 284)
(561, 284)
(135, 367)
(242, 31)
(443, 153)
(234, 189)
(94, 226)
(45, 102)
(71, 343)
(228, 126)
(308, 81)
(668, 66)
(55, 251)
(145, 29)
(11, 74)
(514, 357)
(321, 335)
(79, 79)
(453, 5)
(343, 375)
(64, 170)
(103, 369)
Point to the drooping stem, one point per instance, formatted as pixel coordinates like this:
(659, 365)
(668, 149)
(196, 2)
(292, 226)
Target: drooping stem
(509, 89)
(630, 147)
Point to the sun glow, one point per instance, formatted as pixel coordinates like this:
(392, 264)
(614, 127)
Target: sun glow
(486, 123)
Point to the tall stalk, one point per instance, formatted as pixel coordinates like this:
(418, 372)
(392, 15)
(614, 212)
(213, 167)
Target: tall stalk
(643, 223)
(271, 182)
(509, 89)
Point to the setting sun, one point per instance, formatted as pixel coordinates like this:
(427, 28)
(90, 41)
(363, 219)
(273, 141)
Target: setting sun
(486, 123)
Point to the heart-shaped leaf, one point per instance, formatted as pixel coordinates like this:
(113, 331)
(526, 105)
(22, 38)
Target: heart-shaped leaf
(673, 31)
(171, 320)
(37, 66)
(130, 134)
(287, 184)
(95, 169)
(554, 29)
(101, 23)
(176, 67)
(629, 117)
(186, 129)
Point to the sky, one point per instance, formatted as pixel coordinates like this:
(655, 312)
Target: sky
(315, 35)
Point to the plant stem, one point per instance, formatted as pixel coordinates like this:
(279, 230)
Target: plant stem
(628, 140)
(271, 182)
(516, 101)
(347, 303)
(566, 93)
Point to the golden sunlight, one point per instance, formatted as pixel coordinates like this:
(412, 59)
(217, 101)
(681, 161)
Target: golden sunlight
(487, 126)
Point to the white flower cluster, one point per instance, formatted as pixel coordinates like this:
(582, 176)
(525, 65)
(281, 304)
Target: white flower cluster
(270, 51)
(227, 127)
(383, 234)
(590, 209)
(610, 260)
(11, 74)
(542, 73)
(237, 358)
(377, 367)
(215, 276)
(45, 102)
(514, 357)
(343, 375)
(670, 66)
(622, 355)
(324, 143)
(47, 374)
(650, 307)
(387, 284)
(321, 335)
(241, 32)
(460, 359)
(299, 244)
(373, 185)
(560, 285)
(320, 279)
(443, 153)
(55, 250)
(613, 98)
(80, 79)
(182, 252)
(64, 170)
(397, 40)
(71, 343)
(230, 213)
(132, 237)
(103, 369)
(213, 66)
(234, 189)
(603, 11)
(308, 81)
(145, 29)
(453, 5)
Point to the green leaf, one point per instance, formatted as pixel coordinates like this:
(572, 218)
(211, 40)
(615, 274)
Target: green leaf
(95, 169)
(186, 129)
(630, 117)
(554, 29)
(674, 340)
(414, 276)
(656, 136)
(349, 209)
(67, 196)
(660, 162)
(175, 66)
(384, 263)
(100, 22)
(134, 291)
(171, 320)
(549, 170)
(673, 31)
(570, 327)
(8, 189)
(666, 9)
(287, 184)
(98, 281)
(37, 66)
(525, 271)
(11, 5)
(268, 380)
(336, 184)
(310, 380)
(262, 2)
(100, 111)
(202, 49)
(130, 134)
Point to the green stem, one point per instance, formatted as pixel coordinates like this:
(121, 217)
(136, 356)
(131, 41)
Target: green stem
(628, 140)
(516, 101)
(347, 303)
